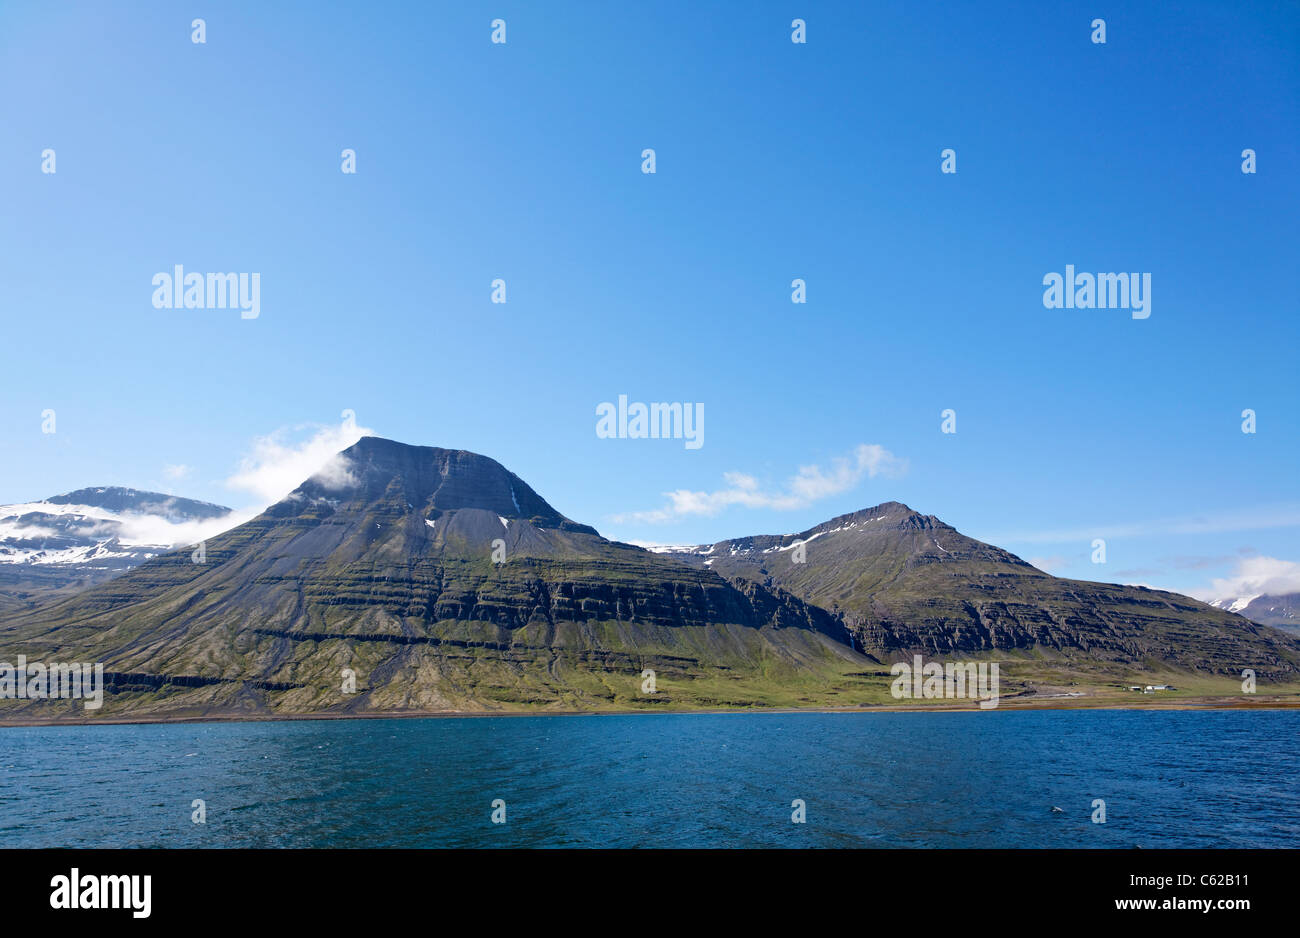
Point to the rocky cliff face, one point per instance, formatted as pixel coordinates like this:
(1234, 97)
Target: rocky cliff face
(907, 583)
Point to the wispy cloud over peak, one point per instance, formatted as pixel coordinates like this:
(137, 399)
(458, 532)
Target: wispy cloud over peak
(281, 461)
(810, 484)
(1255, 576)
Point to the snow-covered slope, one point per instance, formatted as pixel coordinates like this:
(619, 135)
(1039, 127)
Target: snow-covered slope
(1278, 610)
(1233, 603)
(74, 540)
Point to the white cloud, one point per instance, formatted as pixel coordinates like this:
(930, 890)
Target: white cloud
(1255, 576)
(810, 484)
(139, 530)
(177, 470)
(22, 532)
(277, 465)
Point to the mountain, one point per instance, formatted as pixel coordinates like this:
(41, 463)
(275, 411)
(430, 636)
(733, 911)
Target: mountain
(70, 541)
(906, 582)
(1281, 612)
(383, 564)
(440, 581)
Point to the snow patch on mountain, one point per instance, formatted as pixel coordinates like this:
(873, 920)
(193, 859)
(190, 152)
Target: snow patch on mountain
(1234, 603)
(105, 527)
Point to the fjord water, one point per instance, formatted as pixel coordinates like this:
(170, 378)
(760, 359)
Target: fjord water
(1169, 779)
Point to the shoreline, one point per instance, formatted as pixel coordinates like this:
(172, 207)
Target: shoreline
(1186, 704)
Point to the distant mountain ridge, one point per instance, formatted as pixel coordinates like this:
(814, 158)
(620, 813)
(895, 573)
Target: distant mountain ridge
(1281, 611)
(904, 581)
(70, 541)
(120, 499)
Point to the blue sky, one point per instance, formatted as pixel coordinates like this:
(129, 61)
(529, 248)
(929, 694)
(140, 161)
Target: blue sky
(775, 161)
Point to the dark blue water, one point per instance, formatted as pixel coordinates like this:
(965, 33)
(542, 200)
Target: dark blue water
(1169, 779)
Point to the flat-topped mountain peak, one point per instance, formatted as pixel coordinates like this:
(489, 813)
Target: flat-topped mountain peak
(426, 479)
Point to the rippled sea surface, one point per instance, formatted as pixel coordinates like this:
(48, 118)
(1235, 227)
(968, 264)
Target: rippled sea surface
(1168, 779)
